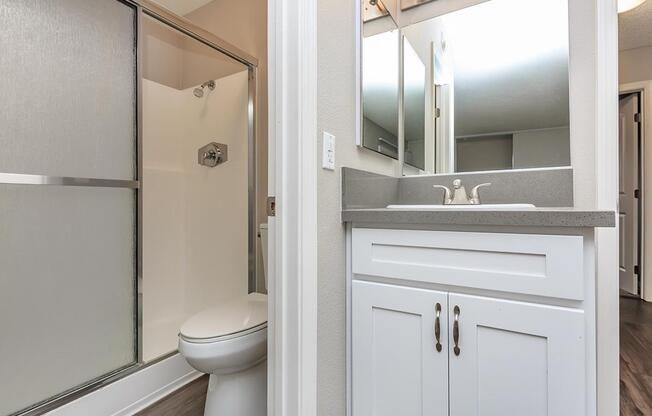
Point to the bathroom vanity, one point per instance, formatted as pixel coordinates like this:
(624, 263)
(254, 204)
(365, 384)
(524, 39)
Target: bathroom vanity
(469, 312)
(489, 308)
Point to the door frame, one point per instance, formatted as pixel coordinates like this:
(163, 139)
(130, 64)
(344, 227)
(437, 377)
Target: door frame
(644, 89)
(292, 269)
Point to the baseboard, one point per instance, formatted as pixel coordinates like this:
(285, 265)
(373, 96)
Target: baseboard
(158, 395)
(134, 392)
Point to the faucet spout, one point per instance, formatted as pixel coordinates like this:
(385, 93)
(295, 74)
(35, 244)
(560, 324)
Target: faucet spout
(475, 195)
(447, 194)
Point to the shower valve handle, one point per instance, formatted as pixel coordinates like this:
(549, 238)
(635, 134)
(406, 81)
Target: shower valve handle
(212, 154)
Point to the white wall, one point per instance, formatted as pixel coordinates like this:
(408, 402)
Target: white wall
(635, 65)
(244, 24)
(195, 218)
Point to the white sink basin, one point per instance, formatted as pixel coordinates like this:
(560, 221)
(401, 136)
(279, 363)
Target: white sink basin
(481, 207)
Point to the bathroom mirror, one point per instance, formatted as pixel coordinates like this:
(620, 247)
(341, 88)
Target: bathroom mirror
(483, 88)
(380, 79)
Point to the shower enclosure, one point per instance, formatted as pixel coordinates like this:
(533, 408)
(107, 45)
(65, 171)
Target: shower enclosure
(111, 231)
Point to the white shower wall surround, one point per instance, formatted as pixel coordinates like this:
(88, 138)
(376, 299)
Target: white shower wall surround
(195, 218)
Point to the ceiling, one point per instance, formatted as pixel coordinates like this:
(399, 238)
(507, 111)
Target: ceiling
(182, 7)
(635, 27)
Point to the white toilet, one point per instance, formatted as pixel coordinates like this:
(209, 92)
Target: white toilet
(229, 342)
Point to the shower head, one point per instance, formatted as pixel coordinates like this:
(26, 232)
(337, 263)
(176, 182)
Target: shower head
(199, 91)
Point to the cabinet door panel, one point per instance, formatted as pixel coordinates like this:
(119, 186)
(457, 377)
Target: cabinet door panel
(396, 366)
(516, 359)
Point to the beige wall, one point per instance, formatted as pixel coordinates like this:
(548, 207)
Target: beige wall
(635, 65)
(244, 24)
(178, 61)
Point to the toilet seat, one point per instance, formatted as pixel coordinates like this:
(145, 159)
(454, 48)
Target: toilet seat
(223, 337)
(232, 319)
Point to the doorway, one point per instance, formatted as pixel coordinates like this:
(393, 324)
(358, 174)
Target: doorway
(629, 193)
(635, 79)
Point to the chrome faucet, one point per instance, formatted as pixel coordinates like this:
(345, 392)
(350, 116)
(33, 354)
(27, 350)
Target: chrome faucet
(459, 196)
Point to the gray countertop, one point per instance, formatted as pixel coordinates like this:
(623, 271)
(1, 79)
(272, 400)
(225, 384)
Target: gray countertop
(538, 217)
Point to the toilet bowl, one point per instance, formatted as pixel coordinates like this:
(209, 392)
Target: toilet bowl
(229, 342)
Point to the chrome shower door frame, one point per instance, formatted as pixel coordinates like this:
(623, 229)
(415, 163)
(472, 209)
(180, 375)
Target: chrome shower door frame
(151, 9)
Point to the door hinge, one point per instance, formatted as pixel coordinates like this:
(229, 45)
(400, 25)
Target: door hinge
(271, 206)
(637, 270)
(637, 193)
(637, 117)
(437, 112)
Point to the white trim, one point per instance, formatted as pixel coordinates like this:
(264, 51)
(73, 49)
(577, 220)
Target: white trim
(133, 393)
(606, 191)
(645, 88)
(293, 271)
(358, 72)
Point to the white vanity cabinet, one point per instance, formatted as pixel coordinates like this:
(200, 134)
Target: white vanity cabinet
(398, 368)
(512, 351)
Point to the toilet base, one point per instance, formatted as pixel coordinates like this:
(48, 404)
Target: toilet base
(243, 393)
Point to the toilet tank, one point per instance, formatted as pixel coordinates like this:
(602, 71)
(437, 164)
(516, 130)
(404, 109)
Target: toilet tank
(263, 245)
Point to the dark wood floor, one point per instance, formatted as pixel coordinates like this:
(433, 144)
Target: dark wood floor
(187, 401)
(635, 357)
(635, 370)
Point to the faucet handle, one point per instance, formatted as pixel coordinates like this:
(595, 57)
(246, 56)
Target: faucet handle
(447, 193)
(475, 195)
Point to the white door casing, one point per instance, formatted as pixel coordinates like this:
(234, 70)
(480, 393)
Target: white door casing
(628, 150)
(292, 280)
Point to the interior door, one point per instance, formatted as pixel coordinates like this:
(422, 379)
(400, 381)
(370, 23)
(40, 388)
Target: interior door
(628, 186)
(398, 366)
(515, 358)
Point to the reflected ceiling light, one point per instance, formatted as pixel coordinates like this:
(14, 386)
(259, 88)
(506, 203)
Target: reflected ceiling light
(627, 5)
(481, 39)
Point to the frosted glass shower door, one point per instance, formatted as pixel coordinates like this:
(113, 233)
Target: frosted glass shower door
(68, 196)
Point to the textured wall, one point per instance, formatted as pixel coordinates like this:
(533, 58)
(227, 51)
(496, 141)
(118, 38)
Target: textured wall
(336, 114)
(635, 65)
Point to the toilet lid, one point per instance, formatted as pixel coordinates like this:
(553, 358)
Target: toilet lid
(230, 317)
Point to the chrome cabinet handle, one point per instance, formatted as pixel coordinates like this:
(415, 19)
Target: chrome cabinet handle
(456, 330)
(438, 327)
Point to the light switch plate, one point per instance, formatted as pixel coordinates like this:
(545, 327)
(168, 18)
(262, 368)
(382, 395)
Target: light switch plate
(328, 155)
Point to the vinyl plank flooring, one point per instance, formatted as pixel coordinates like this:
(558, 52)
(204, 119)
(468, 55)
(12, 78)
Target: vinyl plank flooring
(635, 353)
(187, 401)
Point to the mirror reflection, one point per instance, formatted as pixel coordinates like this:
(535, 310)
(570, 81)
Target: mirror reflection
(380, 79)
(484, 88)
(414, 106)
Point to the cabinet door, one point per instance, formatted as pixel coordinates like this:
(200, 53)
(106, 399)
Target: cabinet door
(516, 358)
(397, 367)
